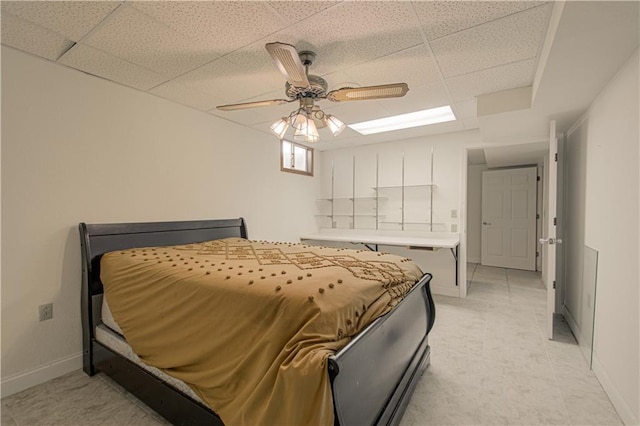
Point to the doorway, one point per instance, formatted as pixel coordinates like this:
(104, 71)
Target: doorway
(477, 159)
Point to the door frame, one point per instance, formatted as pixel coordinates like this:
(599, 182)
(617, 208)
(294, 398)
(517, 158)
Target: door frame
(462, 254)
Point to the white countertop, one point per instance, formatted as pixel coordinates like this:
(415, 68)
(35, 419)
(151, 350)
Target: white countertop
(392, 238)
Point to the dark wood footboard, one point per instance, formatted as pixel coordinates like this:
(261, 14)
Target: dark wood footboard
(372, 377)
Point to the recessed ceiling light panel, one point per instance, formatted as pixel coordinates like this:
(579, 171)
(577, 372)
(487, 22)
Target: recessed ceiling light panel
(405, 121)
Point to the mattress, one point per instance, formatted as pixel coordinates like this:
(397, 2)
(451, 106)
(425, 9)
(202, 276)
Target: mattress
(110, 335)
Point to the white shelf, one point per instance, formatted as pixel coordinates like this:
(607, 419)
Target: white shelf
(426, 185)
(408, 201)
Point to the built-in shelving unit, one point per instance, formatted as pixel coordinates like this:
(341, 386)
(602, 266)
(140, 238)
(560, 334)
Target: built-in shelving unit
(414, 204)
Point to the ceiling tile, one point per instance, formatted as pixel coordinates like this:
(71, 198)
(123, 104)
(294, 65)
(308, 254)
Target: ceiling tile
(430, 96)
(32, 38)
(355, 112)
(218, 26)
(467, 108)
(135, 37)
(514, 38)
(355, 32)
(254, 58)
(440, 18)
(229, 82)
(294, 11)
(186, 94)
(101, 64)
(72, 19)
(414, 66)
(503, 77)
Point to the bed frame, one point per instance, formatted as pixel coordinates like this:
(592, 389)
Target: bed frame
(372, 377)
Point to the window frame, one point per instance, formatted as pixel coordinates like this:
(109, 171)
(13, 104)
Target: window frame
(310, 158)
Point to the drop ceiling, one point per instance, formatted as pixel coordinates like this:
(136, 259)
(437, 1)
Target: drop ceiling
(202, 54)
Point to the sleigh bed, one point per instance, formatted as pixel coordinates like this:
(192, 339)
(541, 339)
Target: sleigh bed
(371, 377)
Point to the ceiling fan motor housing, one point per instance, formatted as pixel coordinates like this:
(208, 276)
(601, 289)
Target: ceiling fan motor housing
(317, 88)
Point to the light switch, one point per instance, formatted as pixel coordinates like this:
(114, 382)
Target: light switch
(454, 214)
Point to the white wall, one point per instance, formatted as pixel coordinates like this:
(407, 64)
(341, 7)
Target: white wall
(610, 134)
(474, 212)
(77, 148)
(574, 227)
(447, 172)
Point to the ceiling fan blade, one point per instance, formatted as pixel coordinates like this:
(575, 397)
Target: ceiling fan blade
(289, 64)
(395, 90)
(233, 107)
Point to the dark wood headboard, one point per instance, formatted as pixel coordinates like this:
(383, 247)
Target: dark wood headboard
(98, 239)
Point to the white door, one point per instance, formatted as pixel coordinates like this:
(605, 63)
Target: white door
(509, 218)
(549, 240)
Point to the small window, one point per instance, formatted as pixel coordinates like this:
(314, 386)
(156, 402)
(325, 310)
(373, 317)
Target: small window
(296, 158)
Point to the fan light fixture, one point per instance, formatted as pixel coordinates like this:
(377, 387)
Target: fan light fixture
(305, 122)
(307, 89)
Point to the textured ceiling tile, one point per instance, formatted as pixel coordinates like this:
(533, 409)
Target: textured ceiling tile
(294, 11)
(95, 62)
(31, 38)
(135, 37)
(218, 26)
(467, 109)
(440, 18)
(245, 117)
(186, 94)
(414, 66)
(504, 77)
(514, 38)
(254, 58)
(72, 19)
(355, 32)
(355, 112)
(339, 79)
(229, 82)
(419, 98)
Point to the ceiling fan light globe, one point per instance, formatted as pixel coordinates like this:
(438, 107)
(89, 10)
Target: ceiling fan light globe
(309, 133)
(334, 124)
(280, 127)
(299, 120)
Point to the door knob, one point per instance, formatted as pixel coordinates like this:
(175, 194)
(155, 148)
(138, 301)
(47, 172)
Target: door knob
(550, 241)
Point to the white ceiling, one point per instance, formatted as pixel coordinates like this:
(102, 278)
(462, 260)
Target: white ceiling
(204, 54)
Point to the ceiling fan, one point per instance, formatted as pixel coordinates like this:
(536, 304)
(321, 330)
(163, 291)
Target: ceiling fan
(307, 89)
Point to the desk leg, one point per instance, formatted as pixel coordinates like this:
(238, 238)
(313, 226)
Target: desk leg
(454, 252)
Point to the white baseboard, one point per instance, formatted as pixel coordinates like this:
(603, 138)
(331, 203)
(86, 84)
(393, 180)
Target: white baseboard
(573, 325)
(473, 260)
(39, 375)
(622, 407)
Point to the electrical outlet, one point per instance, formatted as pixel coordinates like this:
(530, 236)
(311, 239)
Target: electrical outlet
(45, 311)
(454, 227)
(454, 214)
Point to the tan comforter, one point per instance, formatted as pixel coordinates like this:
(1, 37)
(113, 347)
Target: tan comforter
(249, 325)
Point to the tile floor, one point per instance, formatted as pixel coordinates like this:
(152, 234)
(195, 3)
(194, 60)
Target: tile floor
(491, 364)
